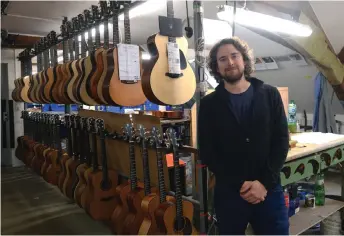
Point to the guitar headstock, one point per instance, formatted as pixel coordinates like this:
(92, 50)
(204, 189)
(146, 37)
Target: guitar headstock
(63, 28)
(82, 24)
(90, 124)
(95, 14)
(115, 6)
(104, 9)
(129, 133)
(69, 29)
(67, 121)
(53, 38)
(155, 138)
(71, 121)
(83, 123)
(142, 136)
(172, 138)
(100, 125)
(76, 27)
(76, 121)
(88, 18)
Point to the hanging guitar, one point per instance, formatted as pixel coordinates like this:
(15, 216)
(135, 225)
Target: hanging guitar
(161, 83)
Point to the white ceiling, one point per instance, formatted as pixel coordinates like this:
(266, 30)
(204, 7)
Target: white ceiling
(39, 18)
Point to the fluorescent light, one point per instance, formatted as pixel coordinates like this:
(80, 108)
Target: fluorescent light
(148, 7)
(145, 56)
(212, 34)
(262, 21)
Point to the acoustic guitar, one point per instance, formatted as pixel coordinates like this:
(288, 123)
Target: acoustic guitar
(54, 169)
(153, 223)
(160, 86)
(178, 220)
(87, 195)
(80, 171)
(135, 215)
(25, 90)
(103, 183)
(66, 156)
(73, 162)
(122, 191)
(124, 92)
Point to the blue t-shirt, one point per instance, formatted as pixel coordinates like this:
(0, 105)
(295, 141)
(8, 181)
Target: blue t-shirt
(240, 104)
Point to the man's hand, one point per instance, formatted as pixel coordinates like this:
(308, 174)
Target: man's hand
(253, 191)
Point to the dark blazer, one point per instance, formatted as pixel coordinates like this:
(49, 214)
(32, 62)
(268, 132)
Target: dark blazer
(238, 151)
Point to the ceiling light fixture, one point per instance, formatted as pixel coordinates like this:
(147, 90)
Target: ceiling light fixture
(263, 21)
(145, 8)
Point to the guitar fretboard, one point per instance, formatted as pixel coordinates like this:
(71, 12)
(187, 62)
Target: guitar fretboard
(97, 37)
(170, 15)
(71, 51)
(100, 125)
(83, 48)
(133, 177)
(161, 177)
(146, 176)
(115, 33)
(127, 36)
(65, 51)
(106, 33)
(90, 41)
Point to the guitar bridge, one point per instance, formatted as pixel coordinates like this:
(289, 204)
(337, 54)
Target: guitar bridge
(174, 76)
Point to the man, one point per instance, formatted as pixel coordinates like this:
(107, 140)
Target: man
(244, 140)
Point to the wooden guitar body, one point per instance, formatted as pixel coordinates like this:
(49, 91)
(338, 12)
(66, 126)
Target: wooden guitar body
(103, 201)
(25, 90)
(71, 176)
(87, 194)
(108, 69)
(125, 94)
(54, 169)
(89, 68)
(46, 162)
(157, 86)
(92, 82)
(70, 83)
(168, 214)
(121, 210)
(63, 88)
(80, 187)
(80, 66)
(63, 173)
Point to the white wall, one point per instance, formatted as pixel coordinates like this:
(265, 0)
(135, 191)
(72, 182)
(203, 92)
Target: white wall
(14, 71)
(300, 81)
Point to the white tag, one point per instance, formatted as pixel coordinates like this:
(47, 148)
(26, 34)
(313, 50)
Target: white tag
(128, 62)
(173, 58)
(64, 144)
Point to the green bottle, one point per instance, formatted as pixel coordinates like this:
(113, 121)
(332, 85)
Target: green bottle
(319, 190)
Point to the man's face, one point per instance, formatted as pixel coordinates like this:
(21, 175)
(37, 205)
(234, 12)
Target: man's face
(230, 63)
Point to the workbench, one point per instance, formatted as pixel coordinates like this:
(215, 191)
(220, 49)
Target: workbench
(315, 152)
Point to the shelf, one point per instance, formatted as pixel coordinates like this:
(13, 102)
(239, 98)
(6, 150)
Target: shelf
(308, 217)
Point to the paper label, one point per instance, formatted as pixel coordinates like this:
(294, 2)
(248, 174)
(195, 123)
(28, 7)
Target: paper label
(173, 58)
(128, 62)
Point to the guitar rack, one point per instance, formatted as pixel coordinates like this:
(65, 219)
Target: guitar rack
(201, 169)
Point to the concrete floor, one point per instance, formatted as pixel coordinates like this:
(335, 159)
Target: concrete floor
(30, 206)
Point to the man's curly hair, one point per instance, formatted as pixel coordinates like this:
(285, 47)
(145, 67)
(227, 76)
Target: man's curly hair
(241, 46)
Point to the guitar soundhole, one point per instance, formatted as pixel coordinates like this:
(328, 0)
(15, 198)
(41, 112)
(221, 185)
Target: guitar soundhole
(183, 226)
(105, 185)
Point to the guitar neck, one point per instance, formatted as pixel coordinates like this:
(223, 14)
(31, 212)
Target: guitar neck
(83, 48)
(71, 51)
(90, 41)
(103, 156)
(147, 186)
(115, 32)
(106, 33)
(97, 37)
(127, 23)
(133, 177)
(65, 50)
(170, 14)
(76, 46)
(179, 203)
(58, 140)
(87, 149)
(161, 178)
(94, 151)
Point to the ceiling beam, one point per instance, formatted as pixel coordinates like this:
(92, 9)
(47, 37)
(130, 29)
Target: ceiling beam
(17, 40)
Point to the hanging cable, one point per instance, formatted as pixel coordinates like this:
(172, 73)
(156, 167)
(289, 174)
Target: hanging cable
(233, 25)
(188, 29)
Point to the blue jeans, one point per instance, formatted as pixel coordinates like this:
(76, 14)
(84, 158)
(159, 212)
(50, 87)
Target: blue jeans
(234, 213)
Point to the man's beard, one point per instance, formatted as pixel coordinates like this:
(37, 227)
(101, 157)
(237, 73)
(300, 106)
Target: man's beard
(233, 79)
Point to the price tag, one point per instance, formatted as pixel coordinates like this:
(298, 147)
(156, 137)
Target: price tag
(173, 58)
(64, 144)
(128, 62)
